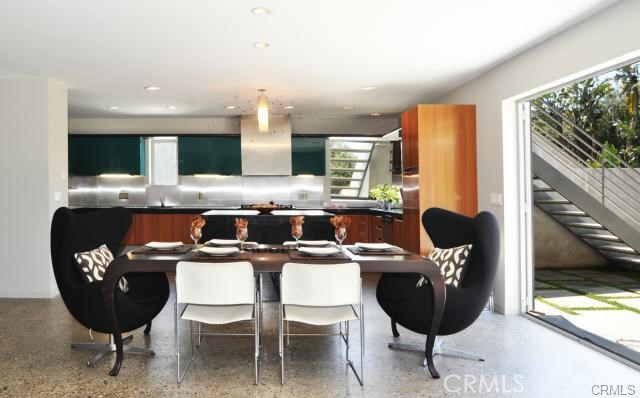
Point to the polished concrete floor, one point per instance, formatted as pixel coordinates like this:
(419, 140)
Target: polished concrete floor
(522, 359)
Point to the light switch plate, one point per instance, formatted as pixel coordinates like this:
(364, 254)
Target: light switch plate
(303, 195)
(57, 196)
(496, 199)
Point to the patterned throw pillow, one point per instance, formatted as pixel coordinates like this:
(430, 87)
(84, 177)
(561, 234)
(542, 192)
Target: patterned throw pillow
(451, 263)
(94, 263)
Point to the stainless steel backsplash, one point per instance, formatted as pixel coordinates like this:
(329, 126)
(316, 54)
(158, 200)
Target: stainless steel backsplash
(197, 191)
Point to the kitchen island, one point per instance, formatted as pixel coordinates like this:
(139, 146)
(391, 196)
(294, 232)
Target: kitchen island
(272, 228)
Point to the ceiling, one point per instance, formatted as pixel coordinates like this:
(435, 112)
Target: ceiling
(201, 54)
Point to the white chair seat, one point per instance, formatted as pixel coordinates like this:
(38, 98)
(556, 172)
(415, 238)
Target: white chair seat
(319, 315)
(218, 314)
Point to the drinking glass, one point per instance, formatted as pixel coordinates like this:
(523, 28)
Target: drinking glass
(242, 234)
(296, 233)
(341, 234)
(196, 234)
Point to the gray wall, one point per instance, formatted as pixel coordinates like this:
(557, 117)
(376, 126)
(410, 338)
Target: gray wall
(572, 53)
(33, 165)
(556, 247)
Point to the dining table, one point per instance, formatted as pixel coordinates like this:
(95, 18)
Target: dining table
(270, 259)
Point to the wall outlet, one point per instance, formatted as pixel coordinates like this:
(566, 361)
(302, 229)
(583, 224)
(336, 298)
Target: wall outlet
(303, 195)
(200, 196)
(57, 196)
(123, 195)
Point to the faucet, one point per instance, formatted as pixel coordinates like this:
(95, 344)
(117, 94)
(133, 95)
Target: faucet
(162, 201)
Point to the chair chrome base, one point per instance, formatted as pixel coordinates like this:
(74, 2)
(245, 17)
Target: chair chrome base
(437, 350)
(107, 348)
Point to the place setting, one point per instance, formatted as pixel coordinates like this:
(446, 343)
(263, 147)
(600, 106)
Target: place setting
(317, 249)
(228, 249)
(165, 248)
(377, 249)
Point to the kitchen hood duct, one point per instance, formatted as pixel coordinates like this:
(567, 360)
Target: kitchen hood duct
(266, 154)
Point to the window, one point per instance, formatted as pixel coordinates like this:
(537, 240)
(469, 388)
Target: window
(162, 160)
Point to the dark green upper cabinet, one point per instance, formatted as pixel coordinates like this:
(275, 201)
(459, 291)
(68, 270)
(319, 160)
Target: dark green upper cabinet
(307, 156)
(95, 155)
(209, 155)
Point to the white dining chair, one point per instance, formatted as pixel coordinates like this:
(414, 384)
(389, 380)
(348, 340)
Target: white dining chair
(216, 294)
(321, 294)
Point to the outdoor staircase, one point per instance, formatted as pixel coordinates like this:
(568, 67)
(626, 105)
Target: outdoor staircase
(348, 165)
(584, 226)
(585, 187)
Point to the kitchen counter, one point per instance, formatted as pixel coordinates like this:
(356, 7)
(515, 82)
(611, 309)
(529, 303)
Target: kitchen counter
(275, 213)
(396, 213)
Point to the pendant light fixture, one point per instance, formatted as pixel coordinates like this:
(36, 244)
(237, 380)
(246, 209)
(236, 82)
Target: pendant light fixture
(263, 112)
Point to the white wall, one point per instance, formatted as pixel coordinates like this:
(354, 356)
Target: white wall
(610, 34)
(229, 125)
(33, 166)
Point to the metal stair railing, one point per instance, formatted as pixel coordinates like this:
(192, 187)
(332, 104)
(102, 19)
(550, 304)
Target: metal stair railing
(355, 161)
(613, 185)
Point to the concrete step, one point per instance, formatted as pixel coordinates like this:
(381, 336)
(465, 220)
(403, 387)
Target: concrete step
(607, 237)
(632, 263)
(617, 248)
(587, 225)
(573, 213)
(552, 201)
(543, 189)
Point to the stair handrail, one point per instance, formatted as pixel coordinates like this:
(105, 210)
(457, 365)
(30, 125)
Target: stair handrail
(586, 134)
(569, 146)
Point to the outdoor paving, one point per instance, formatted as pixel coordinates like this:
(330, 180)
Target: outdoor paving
(569, 299)
(543, 285)
(598, 289)
(548, 275)
(604, 319)
(631, 302)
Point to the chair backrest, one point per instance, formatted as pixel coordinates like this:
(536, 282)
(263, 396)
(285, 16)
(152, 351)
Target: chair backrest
(215, 283)
(448, 229)
(320, 285)
(73, 232)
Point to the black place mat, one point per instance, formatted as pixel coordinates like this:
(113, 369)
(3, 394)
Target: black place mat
(146, 250)
(296, 255)
(197, 256)
(396, 251)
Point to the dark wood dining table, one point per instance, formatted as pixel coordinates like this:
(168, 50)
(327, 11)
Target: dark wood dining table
(272, 261)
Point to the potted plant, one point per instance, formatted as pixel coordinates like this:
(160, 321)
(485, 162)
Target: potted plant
(386, 194)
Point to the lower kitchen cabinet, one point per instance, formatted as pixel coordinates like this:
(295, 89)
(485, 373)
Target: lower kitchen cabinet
(159, 227)
(398, 232)
(358, 230)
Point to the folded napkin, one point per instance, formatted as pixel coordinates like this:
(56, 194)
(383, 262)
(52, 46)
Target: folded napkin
(317, 243)
(164, 245)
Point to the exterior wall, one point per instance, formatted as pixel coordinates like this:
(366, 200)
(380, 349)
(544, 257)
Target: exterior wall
(603, 40)
(556, 247)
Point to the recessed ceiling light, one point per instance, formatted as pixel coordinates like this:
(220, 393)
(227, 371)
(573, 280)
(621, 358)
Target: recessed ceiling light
(152, 88)
(230, 107)
(288, 107)
(261, 44)
(261, 11)
(375, 114)
(172, 107)
(368, 88)
(348, 107)
(113, 108)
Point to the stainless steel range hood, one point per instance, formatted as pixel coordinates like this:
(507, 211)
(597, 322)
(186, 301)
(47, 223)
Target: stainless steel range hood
(266, 154)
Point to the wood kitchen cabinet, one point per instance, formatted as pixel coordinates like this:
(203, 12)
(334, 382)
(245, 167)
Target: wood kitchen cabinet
(439, 166)
(398, 233)
(150, 227)
(358, 230)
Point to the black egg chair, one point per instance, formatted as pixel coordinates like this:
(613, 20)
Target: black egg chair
(73, 232)
(411, 307)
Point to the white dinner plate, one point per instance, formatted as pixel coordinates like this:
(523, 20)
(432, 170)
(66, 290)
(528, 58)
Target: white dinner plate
(310, 243)
(224, 242)
(376, 247)
(319, 251)
(219, 251)
(164, 245)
